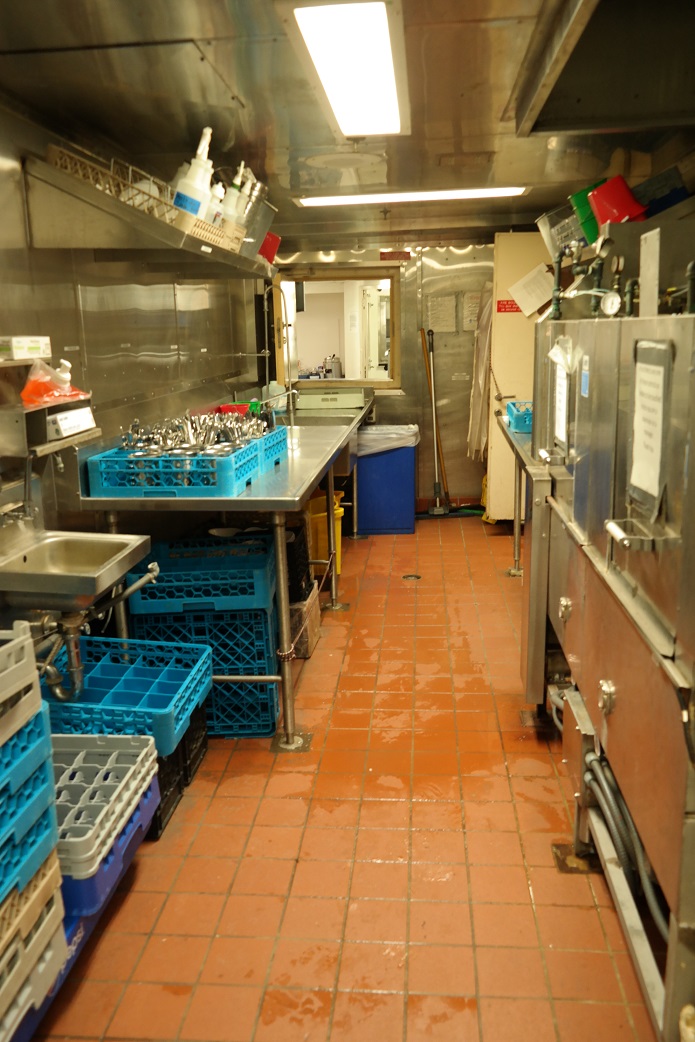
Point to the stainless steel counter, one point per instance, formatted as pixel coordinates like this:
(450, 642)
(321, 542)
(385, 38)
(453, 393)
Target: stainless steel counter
(311, 450)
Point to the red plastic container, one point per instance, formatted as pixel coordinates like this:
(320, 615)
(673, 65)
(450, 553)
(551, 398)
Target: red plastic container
(238, 407)
(613, 201)
(269, 247)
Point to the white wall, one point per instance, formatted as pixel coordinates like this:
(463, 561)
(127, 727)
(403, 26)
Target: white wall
(516, 254)
(351, 326)
(332, 324)
(320, 328)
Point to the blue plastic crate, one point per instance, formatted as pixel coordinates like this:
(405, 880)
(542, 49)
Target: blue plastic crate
(135, 687)
(22, 755)
(520, 416)
(79, 927)
(88, 896)
(273, 449)
(122, 472)
(241, 641)
(22, 856)
(208, 575)
(242, 710)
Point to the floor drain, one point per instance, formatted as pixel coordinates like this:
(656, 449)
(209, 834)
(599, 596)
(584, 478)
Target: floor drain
(413, 576)
(567, 862)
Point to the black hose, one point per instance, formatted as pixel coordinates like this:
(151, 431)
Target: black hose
(620, 850)
(593, 762)
(642, 870)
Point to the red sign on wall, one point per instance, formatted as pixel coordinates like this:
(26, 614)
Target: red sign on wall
(394, 255)
(507, 305)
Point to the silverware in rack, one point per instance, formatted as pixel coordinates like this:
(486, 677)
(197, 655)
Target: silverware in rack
(212, 434)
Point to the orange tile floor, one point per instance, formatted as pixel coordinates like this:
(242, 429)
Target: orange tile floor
(393, 884)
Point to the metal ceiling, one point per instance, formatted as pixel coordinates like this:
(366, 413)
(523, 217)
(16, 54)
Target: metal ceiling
(551, 94)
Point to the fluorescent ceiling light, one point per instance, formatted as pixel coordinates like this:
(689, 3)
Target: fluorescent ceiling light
(408, 197)
(351, 49)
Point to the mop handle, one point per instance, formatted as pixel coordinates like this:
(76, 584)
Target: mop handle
(430, 341)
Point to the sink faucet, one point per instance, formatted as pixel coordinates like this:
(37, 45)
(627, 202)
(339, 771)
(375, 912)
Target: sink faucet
(26, 510)
(69, 628)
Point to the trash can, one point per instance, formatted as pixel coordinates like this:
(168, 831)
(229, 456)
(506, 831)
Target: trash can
(319, 527)
(386, 479)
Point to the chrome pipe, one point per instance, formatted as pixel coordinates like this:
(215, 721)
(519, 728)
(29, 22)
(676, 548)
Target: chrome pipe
(247, 678)
(284, 630)
(330, 521)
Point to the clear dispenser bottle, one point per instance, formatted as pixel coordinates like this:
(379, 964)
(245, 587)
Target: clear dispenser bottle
(233, 198)
(215, 210)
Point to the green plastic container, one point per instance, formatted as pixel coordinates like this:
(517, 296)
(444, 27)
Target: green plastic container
(585, 215)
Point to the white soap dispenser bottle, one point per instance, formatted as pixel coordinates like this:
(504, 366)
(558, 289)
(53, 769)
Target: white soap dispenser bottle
(193, 189)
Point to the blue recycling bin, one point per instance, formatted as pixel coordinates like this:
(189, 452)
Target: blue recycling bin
(386, 479)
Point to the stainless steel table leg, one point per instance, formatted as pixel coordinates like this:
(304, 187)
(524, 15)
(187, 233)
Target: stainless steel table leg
(291, 740)
(330, 520)
(354, 501)
(119, 612)
(517, 570)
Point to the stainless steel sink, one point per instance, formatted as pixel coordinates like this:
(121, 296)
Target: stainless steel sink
(68, 571)
(309, 418)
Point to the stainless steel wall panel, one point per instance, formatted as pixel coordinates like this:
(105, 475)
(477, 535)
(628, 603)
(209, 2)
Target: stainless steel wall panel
(130, 339)
(643, 736)
(566, 594)
(685, 624)
(535, 590)
(594, 442)
(656, 573)
(211, 329)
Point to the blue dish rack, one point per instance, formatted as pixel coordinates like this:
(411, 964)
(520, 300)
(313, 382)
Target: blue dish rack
(79, 925)
(135, 687)
(273, 449)
(126, 473)
(520, 416)
(134, 473)
(28, 825)
(89, 896)
(208, 575)
(241, 642)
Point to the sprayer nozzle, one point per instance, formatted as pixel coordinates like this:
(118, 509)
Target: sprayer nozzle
(204, 143)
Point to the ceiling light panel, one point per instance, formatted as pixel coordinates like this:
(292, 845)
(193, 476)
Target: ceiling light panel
(373, 198)
(356, 51)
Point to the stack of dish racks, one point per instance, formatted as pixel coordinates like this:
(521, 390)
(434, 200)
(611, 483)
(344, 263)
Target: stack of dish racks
(33, 948)
(89, 795)
(219, 592)
(134, 687)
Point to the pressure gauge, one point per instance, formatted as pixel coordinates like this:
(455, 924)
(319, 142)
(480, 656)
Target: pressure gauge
(611, 303)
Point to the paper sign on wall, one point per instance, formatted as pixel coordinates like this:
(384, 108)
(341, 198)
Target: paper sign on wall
(647, 428)
(561, 402)
(441, 314)
(471, 305)
(534, 290)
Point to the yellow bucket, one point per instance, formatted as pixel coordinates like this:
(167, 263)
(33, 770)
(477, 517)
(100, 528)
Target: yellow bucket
(319, 528)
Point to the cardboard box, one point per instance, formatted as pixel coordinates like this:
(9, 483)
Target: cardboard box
(309, 610)
(25, 348)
